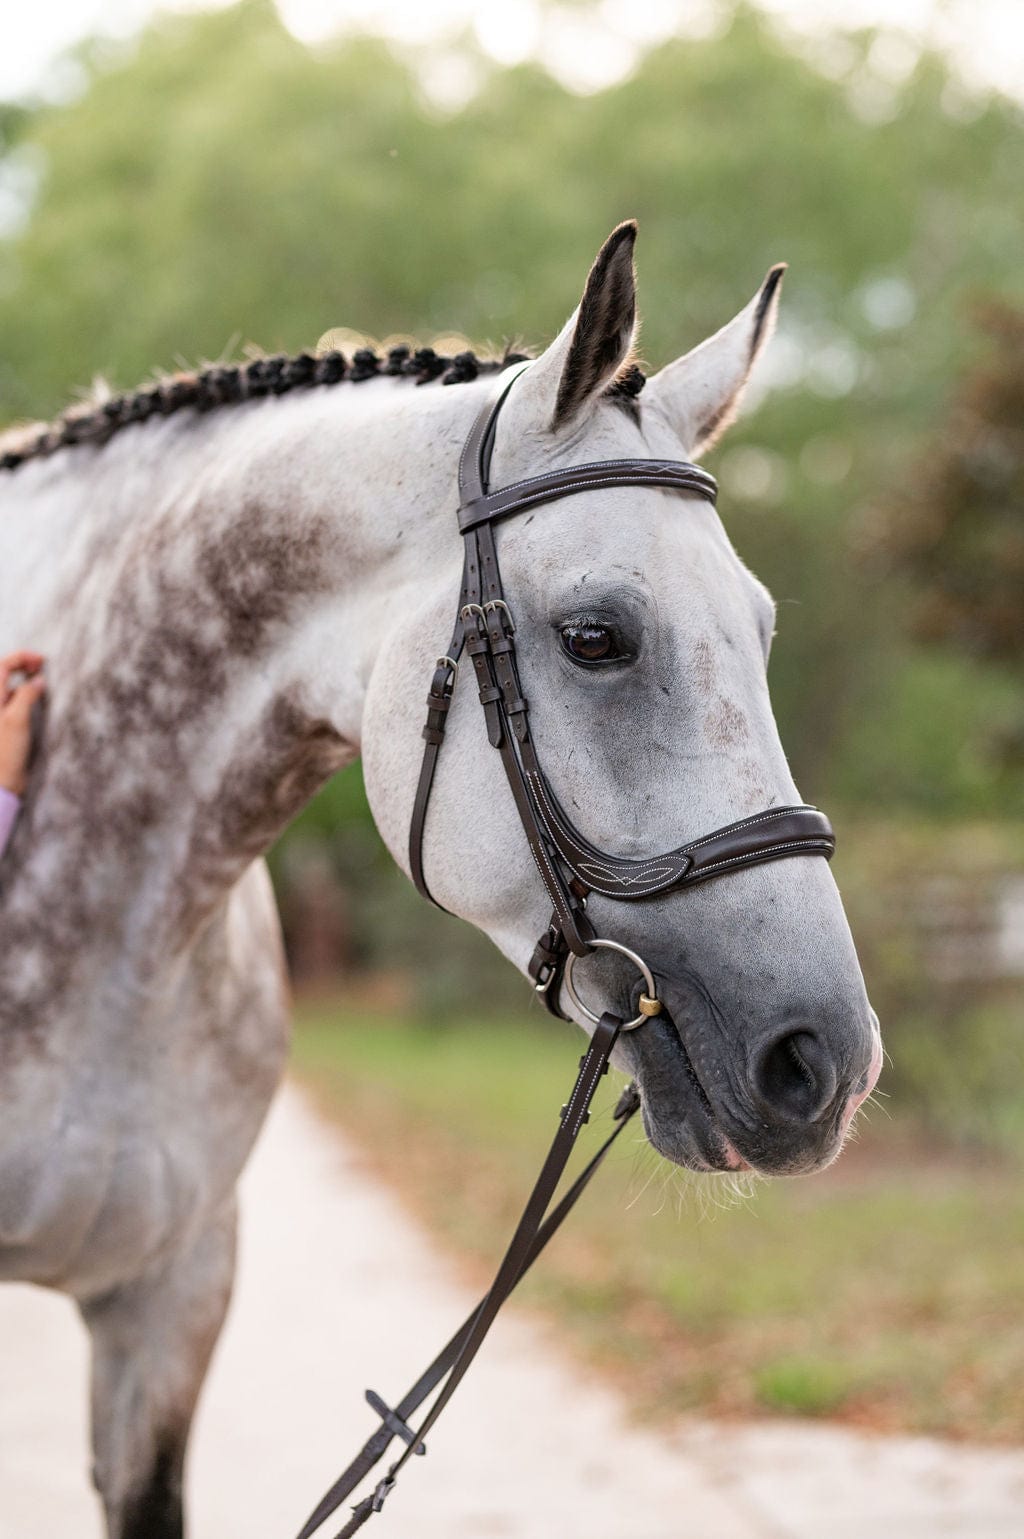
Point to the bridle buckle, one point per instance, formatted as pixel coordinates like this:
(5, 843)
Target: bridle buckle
(508, 624)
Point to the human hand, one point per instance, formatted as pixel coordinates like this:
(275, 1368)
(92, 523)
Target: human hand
(16, 702)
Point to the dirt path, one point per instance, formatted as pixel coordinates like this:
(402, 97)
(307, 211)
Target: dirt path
(338, 1290)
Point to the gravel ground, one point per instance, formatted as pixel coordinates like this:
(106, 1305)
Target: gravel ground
(339, 1289)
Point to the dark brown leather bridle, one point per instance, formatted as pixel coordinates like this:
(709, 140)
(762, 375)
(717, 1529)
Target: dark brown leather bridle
(570, 867)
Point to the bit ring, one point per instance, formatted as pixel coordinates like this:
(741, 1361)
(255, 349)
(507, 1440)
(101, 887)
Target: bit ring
(650, 1004)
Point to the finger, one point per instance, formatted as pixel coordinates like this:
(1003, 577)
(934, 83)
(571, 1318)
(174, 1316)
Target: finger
(19, 706)
(18, 662)
(25, 660)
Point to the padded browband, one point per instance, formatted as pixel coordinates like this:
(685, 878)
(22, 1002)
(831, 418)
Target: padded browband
(479, 506)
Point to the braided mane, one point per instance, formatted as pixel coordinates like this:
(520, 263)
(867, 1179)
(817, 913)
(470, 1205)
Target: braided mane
(225, 384)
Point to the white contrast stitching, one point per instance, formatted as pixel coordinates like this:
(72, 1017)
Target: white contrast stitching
(763, 817)
(651, 869)
(610, 874)
(795, 844)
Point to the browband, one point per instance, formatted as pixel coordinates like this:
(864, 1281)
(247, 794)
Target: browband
(479, 506)
(678, 475)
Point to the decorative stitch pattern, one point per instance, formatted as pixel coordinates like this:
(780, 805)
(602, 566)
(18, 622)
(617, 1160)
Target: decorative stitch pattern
(658, 874)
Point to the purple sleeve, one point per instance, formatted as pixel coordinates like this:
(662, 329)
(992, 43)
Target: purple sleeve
(9, 807)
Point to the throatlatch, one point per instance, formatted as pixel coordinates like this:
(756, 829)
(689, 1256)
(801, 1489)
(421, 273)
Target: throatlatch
(570, 867)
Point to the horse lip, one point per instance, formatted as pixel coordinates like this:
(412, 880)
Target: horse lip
(695, 1143)
(695, 1139)
(675, 1039)
(698, 1121)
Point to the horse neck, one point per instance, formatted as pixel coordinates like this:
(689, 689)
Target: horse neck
(210, 636)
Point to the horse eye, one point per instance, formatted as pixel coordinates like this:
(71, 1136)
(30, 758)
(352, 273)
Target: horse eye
(587, 642)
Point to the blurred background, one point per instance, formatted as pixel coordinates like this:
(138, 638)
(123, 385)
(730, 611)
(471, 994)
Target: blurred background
(175, 184)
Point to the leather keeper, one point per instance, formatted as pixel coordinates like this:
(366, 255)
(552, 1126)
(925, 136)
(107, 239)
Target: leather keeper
(547, 953)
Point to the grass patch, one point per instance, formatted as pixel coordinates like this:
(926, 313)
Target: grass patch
(804, 1386)
(885, 1292)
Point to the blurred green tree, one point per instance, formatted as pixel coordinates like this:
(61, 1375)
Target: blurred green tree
(956, 529)
(217, 180)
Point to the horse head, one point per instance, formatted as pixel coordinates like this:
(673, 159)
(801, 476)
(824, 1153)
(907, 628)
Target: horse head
(642, 643)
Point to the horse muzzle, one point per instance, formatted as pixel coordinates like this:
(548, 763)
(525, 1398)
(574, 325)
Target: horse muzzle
(774, 1098)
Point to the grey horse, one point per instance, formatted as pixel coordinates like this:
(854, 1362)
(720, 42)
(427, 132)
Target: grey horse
(234, 604)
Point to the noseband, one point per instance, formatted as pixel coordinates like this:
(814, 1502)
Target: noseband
(570, 867)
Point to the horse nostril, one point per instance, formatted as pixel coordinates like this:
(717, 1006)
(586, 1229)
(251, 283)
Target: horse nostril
(795, 1076)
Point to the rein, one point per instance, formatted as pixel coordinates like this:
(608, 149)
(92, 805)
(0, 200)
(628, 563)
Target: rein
(570, 868)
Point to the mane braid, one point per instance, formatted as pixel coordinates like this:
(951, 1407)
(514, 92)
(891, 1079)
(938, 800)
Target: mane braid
(226, 384)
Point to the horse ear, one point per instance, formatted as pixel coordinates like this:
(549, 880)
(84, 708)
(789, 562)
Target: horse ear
(700, 393)
(591, 348)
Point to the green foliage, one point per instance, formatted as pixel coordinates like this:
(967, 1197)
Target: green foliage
(957, 530)
(217, 180)
(933, 729)
(932, 907)
(804, 1386)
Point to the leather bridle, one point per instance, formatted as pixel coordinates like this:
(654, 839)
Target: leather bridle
(570, 868)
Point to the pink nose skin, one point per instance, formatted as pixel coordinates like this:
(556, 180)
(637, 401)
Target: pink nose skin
(733, 1159)
(874, 1071)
